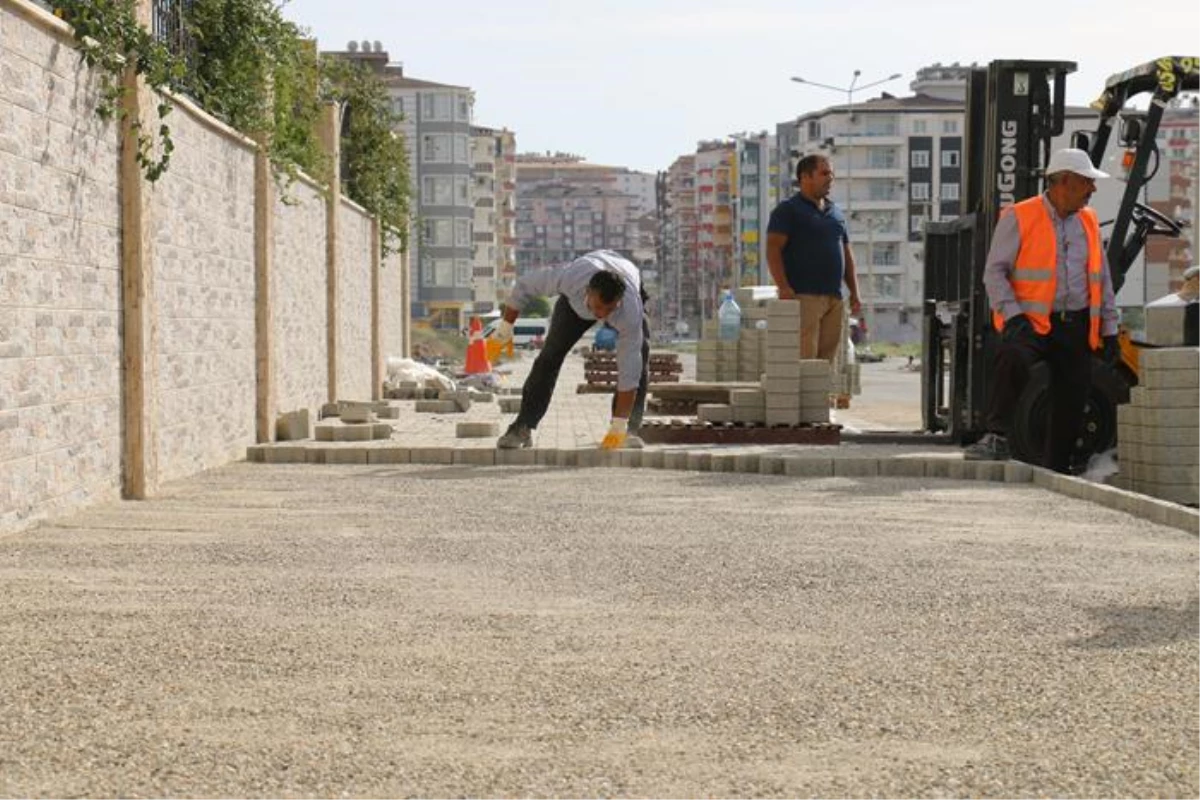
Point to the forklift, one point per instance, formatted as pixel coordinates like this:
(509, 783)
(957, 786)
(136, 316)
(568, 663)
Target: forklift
(1014, 109)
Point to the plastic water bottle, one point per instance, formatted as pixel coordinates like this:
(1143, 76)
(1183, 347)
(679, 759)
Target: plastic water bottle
(729, 319)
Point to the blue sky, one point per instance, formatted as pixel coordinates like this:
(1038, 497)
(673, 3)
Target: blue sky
(638, 82)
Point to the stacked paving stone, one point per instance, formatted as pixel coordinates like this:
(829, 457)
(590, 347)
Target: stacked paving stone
(781, 376)
(752, 340)
(412, 390)
(716, 360)
(794, 392)
(1158, 431)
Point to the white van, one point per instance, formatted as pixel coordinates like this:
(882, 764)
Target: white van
(528, 332)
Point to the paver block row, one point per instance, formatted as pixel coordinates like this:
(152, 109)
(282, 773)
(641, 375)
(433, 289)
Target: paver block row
(476, 430)
(1169, 358)
(1164, 398)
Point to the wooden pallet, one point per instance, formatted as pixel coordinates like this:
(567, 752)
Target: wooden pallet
(678, 432)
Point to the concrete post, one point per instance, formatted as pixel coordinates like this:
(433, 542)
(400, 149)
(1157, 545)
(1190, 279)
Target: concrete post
(376, 326)
(329, 135)
(264, 247)
(406, 301)
(139, 467)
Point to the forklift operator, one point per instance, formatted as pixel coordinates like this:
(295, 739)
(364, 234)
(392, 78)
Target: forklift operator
(1050, 290)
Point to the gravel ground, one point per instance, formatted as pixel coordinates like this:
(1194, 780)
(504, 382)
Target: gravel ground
(448, 631)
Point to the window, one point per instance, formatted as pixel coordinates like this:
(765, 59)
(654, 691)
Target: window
(436, 107)
(462, 272)
(949, 126)
(919, 159)
(915, 222)
(881, 158)
(949, 191)
(436, 148)
(460, 149)
(462, 232)
(438, 272)
(814, 129)
(462, 190)
(919, 126)
(439, 232)
(920, 191)
(464, 109)
(949, 158)
(435, 190)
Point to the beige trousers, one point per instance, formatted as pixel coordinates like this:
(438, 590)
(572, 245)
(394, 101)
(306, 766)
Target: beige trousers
(820, 326)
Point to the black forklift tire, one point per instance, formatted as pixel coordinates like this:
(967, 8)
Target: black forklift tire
(1110, 388)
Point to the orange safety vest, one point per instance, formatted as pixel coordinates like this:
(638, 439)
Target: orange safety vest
(1035, 274)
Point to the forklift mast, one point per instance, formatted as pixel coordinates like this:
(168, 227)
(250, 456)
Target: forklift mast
(1013, 110)
(1165, 78)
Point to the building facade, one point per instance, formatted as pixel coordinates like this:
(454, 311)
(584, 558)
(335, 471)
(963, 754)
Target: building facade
(435, 119)
(494, 196)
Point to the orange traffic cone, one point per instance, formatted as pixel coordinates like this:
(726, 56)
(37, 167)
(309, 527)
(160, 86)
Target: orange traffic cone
(477, 360)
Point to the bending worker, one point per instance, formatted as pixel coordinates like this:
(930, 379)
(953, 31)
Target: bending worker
(600, 285)
(1050, 290)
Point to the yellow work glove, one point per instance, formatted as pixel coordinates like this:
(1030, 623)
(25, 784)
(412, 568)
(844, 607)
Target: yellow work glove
(617, 430)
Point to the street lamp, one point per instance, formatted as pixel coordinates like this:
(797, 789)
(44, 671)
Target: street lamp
(850, 90)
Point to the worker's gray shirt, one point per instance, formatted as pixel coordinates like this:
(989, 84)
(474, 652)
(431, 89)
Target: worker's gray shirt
(571, 281)
(1070, 292)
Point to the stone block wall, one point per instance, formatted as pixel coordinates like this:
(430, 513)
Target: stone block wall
(354, 303)
(60, 306)
(63, 402)
(202, 256)
(392, 304)
(298, 290)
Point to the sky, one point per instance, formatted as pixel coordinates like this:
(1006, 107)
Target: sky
(637, 83)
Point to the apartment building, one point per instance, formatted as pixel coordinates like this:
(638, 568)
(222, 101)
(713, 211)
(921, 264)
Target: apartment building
(557, 222)
(494, 236)
(1173, 192)
(677, 212)
(755, 194)
(436, 123)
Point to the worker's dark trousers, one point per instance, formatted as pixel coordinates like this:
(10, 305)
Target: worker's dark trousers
(1066, 352)
(566, 329)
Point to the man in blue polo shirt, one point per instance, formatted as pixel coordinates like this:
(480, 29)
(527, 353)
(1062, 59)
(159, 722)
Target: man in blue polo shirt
(809, 255)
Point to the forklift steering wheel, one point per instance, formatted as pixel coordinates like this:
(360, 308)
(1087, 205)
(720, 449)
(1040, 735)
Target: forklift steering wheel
(1153, 221)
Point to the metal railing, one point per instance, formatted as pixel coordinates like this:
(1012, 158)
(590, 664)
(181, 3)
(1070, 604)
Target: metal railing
(169, 26)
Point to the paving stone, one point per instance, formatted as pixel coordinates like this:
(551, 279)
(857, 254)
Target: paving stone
(389, 455)
(1016, 472)
(293, 426)
(807, 467)
(698, 462)
(547, 456)
(630, 458)
(476, 430)
(257, 453)
(345, 455)
(723, 462)
(286, 454)
(587, 458)
(855, 467)
(1169, 358)
(751, 398)
(1164, 398)
(993, 471)
(675, 459)
(750, 415)
(355, 412)
(770, 464)
(902, 467)
(386, 411)
(330, 410)
(510, 405)
(747, 463)
(936, 467)
(652, 459)
(784, 370)
(475, 456)
(1170, 378)
(436, 407)
(526, 457)
(714, 412)
(565, 458)
(810, 415)
(483, 397)
(432, 455)
(382, 430)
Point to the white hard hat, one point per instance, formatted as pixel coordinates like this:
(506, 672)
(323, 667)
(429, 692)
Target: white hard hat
(1071, 159)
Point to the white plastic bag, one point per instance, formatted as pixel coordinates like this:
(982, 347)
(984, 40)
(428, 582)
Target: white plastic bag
(405, 369)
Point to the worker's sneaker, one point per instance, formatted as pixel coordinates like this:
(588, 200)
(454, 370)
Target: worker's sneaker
(515, 438)
(633, 442)
(992, 447)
